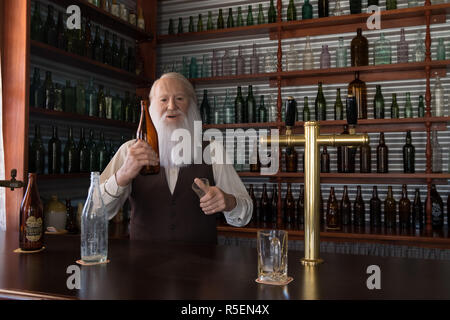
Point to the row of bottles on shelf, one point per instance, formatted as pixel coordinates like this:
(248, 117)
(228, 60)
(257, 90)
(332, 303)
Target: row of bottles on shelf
(86, 156)
(85, 101)
(337, 213)
(81, 42)
(230, 22)
(346, 156)
(121, 11)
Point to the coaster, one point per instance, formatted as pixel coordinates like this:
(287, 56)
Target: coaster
(81, 262)
(276, 283)
(35, 251)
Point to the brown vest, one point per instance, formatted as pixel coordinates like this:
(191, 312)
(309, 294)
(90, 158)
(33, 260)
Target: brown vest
(157, 215)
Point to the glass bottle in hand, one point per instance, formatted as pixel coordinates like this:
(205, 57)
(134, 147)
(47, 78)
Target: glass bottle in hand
(147, 132)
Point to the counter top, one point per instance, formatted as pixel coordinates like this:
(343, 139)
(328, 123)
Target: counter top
(142, 270)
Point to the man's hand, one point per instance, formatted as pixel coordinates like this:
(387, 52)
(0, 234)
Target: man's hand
(215, 200)
(139, 154)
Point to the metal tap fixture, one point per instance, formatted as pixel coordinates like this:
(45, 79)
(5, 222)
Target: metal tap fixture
(13, 183)
(312, 140)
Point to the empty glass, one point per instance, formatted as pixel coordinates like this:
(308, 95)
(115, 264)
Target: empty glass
(272, 246)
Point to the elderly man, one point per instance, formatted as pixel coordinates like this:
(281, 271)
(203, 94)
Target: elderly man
(163, 206)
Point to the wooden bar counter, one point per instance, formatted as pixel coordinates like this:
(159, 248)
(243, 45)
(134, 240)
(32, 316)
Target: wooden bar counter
(141, 270)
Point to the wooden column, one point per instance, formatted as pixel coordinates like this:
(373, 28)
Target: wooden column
(15, 71)
(429, 151)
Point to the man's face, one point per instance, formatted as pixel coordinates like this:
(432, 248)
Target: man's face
(170, 101)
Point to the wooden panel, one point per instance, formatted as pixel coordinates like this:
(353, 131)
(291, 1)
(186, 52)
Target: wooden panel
(15, 97)
(148, 49)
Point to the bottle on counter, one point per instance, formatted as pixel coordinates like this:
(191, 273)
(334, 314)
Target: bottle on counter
(240, 62)
(261, 19)
(191, 27)
(382, 156)
(333, 219)
(359, 50)
(226, 63)
(291, 58)
(240, 19)
(147, 132)
(101, 103)
(94, 225)
(320, 105)
(31, 232)
(97, 47)
(71, 155)
(180, 26)
(351, 109)
(345, 157)
(220, 20)
(438, 98)
(171, 30)
(54, 153)
(395, 114)
(408, 155)
(37, 153)
(375, 209)
(117, 108)
(390, 210)
(230, 19)
(440, 55)
(404, 209)
(408, 106)
(346, 208)
(123, 57)
(230, 111)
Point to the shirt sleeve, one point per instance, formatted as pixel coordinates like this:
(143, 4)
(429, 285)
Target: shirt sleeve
(113, 195)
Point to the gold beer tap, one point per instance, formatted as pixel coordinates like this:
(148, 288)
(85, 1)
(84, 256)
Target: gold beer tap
(312, 140)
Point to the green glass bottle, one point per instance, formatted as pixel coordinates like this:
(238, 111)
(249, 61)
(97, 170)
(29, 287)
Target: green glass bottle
(91, 100)
(441, 50)
(240, 108)
(230, 111)
(421, 108)
(306, 112)
(307, 10)
(409, 154)
(394, 107)
(408, 106)
(36, 92)
(108, 105)
(240, 20)
(220, 20)
(191, 26)
(37, 153)
(49, 92)
(97, 50)
(69, 98)
(93, 153)
(200, 23)
(103, 155)
(320, 105)
(49, 29)
(115, 52)
(80, 107)
(107, 50)
(272, 14)
(83, 152)
(391, 4)
(180, 25)
(205, 108)
(58, 98)
(338, 107)
(101, 102)
(71, 156)
(36, 23)
(291, 11)
(209, 23)
(128, 108)
(262, 111)
(117, 108)
(171, 29)
(261, 19)
(54, 153)
(378, 104)
(230, 20)
(250, 21)
(251, 105)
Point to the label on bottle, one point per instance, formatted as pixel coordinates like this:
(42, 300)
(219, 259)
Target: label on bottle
(115, 10)
(436, 212)
(141, 24)
(33, 229)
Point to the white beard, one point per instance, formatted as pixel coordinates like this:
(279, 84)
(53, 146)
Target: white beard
(165, 131)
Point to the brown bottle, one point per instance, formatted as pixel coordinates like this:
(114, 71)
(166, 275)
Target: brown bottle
(418, 218)
(346, 208)
(264, 205)
(274, 204)
(359, 209)
(375, 209)
(322, 211)
(333, 220)
(404, 209)
(291, 158)
(345, 157)
(358, 89)
(324, 161)
(255, 203)
(147, 132)
(359, 50)
(255, 167)
(301, 206)
(382, 156)
(31, 235)
(289, 207)
(365, 159)
(390, 210)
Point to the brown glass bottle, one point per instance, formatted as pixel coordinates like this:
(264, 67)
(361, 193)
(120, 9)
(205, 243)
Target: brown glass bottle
(345, 157)
(437, 209)
(409, 155)
(365, 159)
(333, 219)
(359, 50)
(289, 207)
(359, 209)
(382, 156)
(291, 158)
(346, 208)
(390, 210)
(322, 211)
(31, 235)
(418, 218)
(256, 167)
(358, 89)
(404, 209)
(375, 209)
(264, 206)
(147, 132)
(274, 205)
(251, 193)
(301, 206)
(325, 161)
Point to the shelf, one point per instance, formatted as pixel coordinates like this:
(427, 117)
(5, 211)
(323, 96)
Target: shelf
(262, 29)
(397, 71)
(267, 125)
(57, 55)
(437, 239)
(106, 19)
(398, 18)
(235, 79)
(63, 176)
(68, 116)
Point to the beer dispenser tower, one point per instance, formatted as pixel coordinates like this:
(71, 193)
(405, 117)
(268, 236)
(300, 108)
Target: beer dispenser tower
(312, 140)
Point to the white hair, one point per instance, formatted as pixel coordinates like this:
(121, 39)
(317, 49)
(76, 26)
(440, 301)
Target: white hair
(190, 91)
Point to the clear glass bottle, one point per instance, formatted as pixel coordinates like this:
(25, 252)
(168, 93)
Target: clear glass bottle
(438, 98)
(226, 64)
(419, 50)
(408, 106)
(402, 48)
(215, 112)
(270, 62)
(440, 50)
(337, 11)
(341, 54)
(382, 52)
(254, 61)
(240, 62)
(308, 57)
(291, 58)
(94, 225)
(325, 59)
(229, 109)
(436, 165)
(215, 70)
(273, 110)
(205, 68)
